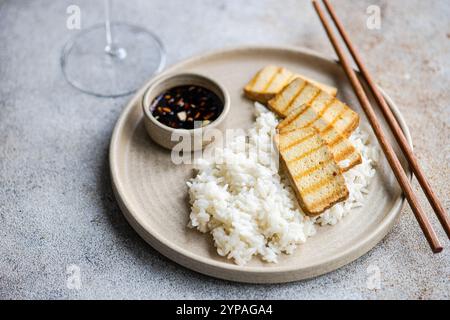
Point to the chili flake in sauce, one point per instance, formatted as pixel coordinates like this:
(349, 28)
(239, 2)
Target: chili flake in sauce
(186, 107)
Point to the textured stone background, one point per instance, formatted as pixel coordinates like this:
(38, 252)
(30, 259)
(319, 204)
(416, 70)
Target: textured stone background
(56, 203)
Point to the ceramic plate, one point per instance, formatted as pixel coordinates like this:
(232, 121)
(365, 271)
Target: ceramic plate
(152, 192)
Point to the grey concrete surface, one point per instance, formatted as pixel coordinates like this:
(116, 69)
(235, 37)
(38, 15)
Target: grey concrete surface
(56, 204)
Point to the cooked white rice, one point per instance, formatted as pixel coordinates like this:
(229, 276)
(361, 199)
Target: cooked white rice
(239, 197)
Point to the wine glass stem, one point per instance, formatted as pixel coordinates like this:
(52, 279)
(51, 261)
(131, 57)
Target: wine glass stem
(109, 38)
(111, 48)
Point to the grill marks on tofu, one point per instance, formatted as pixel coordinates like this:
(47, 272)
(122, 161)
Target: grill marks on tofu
(312, 169)
(305, 95)
(302, 116)
(340, 117)
(304, 105)
(270, 80)
(301, 94)
(267, 83)
(280, 78)
(340, 147)
(312, 140)
(297, 141)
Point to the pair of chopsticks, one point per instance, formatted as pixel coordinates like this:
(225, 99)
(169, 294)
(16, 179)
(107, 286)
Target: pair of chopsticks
(392, 158)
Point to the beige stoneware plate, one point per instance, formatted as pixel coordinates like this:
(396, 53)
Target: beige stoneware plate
(152, 192)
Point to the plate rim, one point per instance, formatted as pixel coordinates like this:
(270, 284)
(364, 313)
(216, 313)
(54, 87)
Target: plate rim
(222, 270)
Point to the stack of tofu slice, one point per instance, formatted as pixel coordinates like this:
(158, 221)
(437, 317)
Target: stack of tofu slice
(272, 79)
(312, 137)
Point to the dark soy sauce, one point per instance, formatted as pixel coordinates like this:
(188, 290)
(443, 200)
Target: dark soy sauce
(186, 107)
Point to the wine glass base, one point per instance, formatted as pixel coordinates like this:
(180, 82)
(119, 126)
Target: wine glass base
(118, 70)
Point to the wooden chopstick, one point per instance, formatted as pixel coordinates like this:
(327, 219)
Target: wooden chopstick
(437, 206)
(400, 174)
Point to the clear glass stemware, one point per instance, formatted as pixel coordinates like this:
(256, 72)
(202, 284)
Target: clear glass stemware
(113, 58)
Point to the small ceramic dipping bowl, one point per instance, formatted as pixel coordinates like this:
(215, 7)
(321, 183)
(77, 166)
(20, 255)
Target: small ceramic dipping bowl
(168, 137)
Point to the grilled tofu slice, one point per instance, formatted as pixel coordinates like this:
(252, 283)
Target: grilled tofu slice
(344, 153)
(267, 83)
(312, 170)
(300, 93)
(272, 79)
